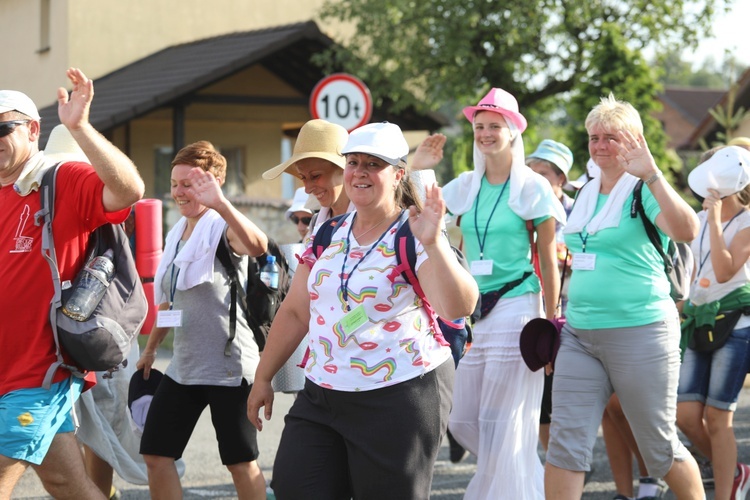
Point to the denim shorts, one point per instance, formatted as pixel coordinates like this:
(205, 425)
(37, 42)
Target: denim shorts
(30, 419)
(715, 378)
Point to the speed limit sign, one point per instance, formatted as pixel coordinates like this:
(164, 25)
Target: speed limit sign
(342, 99)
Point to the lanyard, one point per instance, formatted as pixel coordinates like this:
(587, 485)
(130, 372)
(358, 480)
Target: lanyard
(481, 240)
(583, 241)
(702, 260)
(345, 283)
(173, 278)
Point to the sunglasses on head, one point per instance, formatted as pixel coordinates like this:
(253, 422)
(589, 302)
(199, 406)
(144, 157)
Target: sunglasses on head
(7, 128)
(297, 220)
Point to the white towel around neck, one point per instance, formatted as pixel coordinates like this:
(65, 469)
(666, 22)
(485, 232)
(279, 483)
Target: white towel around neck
(582, 217)
(196, 259)
(530, 196)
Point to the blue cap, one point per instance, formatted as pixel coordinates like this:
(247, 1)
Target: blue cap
(554, 152)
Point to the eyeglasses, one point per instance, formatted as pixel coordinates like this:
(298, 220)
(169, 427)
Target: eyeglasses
(7, 128)
(297, 220)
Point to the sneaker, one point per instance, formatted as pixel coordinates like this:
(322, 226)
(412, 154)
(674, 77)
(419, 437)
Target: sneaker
(620, 497)
(741, 482)
(652, 488)
(457, 452)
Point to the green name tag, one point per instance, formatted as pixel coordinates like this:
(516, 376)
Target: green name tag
(354, 319)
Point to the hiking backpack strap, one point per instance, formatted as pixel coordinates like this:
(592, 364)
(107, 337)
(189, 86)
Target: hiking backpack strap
(237, 292)
(636, 208)
(323, 237)
(406, 258)
(44, 217)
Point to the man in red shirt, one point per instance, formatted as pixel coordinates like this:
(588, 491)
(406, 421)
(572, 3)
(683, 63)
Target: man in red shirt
(36, 423)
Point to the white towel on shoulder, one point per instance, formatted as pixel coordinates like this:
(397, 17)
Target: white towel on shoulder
(582, 217)
(196, 259)
(530, 194)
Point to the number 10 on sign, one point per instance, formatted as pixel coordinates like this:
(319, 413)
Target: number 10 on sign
(342, 99)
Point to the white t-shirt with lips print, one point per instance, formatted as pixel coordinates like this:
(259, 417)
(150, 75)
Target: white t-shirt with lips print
(394, 343)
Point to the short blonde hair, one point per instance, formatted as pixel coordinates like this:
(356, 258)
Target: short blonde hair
(612, 114)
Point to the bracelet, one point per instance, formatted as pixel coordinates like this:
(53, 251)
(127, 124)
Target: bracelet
(653, 178)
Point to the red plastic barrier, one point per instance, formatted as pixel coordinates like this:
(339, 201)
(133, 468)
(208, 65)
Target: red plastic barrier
(148, 250)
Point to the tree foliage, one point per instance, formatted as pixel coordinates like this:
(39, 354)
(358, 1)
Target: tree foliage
(427, 52)
(673, 70)
(625, 74)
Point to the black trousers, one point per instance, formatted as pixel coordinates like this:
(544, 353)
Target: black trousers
(364, 445)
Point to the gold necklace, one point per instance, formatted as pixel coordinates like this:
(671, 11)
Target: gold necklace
(373, 227)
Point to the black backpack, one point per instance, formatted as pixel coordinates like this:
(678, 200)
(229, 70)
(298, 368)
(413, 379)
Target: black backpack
(458, 333)
(677, 256)
(259, 302)
(103, 341)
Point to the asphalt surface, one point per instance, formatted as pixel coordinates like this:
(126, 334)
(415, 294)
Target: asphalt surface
(205, 477)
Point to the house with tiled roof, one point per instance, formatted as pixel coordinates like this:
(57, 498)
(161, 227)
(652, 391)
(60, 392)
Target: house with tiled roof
(168, 73)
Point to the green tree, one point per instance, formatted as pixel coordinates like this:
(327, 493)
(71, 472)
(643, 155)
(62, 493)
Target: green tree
(673, 70)
(428, 52)
(624, 73)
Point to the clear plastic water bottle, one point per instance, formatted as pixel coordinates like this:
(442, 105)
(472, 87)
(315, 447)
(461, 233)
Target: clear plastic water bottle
(269, 274)
(95, 278)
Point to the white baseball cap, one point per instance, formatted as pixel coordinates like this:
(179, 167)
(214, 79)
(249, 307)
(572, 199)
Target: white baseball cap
(727, 171)
(383, 140)
(12, 100)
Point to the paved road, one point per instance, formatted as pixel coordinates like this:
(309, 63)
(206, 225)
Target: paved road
(205, 477)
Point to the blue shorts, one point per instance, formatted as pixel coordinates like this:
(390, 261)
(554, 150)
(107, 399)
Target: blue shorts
(715, 378)
(30, 419)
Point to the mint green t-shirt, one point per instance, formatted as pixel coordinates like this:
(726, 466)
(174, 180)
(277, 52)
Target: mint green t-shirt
(506, 242)
(628, 286)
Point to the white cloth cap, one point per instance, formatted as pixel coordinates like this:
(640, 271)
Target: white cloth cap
(383, 140)
(727, 171)
(12, 100)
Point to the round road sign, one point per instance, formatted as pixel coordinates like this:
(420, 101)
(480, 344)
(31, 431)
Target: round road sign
(342, 99)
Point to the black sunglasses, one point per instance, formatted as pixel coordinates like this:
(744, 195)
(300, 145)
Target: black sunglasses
(304, 220)
(7, 128)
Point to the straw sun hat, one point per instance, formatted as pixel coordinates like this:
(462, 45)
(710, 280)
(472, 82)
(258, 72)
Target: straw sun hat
(317, 139)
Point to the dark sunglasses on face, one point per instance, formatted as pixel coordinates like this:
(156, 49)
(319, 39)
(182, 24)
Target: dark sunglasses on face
(297, 220)
(7, 128)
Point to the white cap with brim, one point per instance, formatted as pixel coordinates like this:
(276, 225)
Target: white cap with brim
(12, 100)
(382, 140)
(316, 139)
(298, 203)
(727, 172)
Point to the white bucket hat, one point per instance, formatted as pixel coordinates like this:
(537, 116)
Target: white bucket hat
(61, 146)
(298, 203)
(383, 140)
(727, 171)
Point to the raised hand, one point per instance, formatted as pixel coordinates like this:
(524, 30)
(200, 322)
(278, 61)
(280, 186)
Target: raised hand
(429, 153)
(427, 225)
(205, 188)
(634, 155)
(73, 110)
